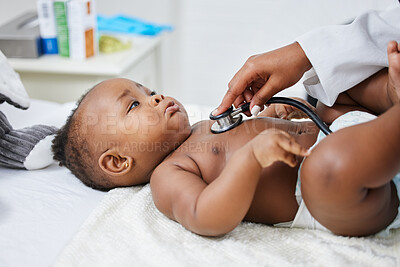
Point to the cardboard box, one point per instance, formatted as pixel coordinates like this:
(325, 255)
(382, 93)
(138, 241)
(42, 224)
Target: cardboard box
(60, 13)
(76, 28)
(82, 27)
(47, 25)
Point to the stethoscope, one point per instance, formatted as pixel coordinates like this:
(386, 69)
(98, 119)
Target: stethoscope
(227, 120)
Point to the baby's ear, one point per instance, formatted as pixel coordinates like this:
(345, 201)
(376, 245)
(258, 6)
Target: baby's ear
(112, 163)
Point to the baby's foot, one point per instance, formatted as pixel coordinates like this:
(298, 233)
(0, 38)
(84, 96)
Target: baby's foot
(393, 86)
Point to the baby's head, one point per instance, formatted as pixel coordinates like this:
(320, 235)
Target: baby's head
(119, 132)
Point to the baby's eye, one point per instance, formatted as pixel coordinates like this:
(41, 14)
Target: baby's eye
(153, 93)
(134, 104)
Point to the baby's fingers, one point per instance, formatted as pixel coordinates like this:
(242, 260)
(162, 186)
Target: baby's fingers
(289, 158)
(290, 145)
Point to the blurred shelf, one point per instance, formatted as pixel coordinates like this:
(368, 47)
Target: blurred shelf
(100, 64)
(52, 77)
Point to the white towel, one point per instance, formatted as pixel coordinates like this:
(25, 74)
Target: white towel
(126, 229)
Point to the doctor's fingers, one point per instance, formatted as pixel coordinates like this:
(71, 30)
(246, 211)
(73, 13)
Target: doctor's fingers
(268, 90)
(231, 97)
(248, 95)
(243, 77)
(240, 100)
(241, 81)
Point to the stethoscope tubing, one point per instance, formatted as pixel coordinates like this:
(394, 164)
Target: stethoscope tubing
(289, 101)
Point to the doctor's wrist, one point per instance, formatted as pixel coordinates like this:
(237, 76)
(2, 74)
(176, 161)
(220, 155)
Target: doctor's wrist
(303, 62)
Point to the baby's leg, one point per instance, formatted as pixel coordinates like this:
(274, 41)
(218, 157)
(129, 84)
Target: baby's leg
(346, 181)
(370, 95)
(382, 90)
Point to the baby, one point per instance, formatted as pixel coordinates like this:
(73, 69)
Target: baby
(124, 134)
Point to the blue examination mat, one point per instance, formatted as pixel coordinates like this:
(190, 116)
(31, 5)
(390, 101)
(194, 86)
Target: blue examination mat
(129, 25)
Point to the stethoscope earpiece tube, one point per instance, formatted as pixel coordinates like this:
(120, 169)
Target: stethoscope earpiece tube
(226, 121)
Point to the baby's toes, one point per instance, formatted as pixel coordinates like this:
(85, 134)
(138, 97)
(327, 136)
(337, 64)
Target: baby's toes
(394, 56)
(393, 87)
(393, 47)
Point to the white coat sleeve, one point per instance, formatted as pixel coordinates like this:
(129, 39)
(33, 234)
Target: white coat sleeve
(344, 55)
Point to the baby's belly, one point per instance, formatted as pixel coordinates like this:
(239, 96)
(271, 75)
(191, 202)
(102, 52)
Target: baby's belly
(274, 200)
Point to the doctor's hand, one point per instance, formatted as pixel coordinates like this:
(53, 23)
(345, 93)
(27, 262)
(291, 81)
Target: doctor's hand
(264, 75)
(274, 145)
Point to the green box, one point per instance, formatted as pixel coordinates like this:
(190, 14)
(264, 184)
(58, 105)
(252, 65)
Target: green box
(60, 13)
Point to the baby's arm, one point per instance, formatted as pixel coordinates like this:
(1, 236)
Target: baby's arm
(217, 208)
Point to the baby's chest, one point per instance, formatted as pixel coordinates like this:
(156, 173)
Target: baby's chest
(208, 158)
(208, 153)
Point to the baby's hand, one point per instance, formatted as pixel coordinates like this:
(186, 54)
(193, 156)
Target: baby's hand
(286, 112)
(275, 145)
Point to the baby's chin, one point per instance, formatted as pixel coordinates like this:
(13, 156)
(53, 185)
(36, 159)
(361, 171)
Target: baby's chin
(179, 122)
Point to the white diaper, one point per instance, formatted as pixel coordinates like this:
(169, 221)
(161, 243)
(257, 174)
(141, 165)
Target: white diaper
(303, 218)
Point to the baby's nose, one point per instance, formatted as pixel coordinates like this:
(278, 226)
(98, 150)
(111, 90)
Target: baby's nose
(156, 99)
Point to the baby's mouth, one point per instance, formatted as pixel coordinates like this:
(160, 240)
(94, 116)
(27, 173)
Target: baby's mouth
(171, 108)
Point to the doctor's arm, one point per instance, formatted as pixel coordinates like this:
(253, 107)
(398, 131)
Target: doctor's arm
(344, 55)
(341, 56)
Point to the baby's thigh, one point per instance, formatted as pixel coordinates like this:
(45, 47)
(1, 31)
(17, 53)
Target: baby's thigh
(333, 190)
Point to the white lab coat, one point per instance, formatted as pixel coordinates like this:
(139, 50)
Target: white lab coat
(344, 55)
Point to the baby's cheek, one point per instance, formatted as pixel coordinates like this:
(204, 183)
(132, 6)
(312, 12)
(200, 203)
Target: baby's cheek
(128, 126)
(144, 124)
(152, 120)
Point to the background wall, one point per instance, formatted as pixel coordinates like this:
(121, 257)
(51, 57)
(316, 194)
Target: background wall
(213, 38)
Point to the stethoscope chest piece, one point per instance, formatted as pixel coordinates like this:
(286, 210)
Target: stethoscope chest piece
(228, 120)
(225, 121)
(225, 124)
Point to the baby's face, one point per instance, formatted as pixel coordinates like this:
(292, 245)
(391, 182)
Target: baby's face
(132, 129)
